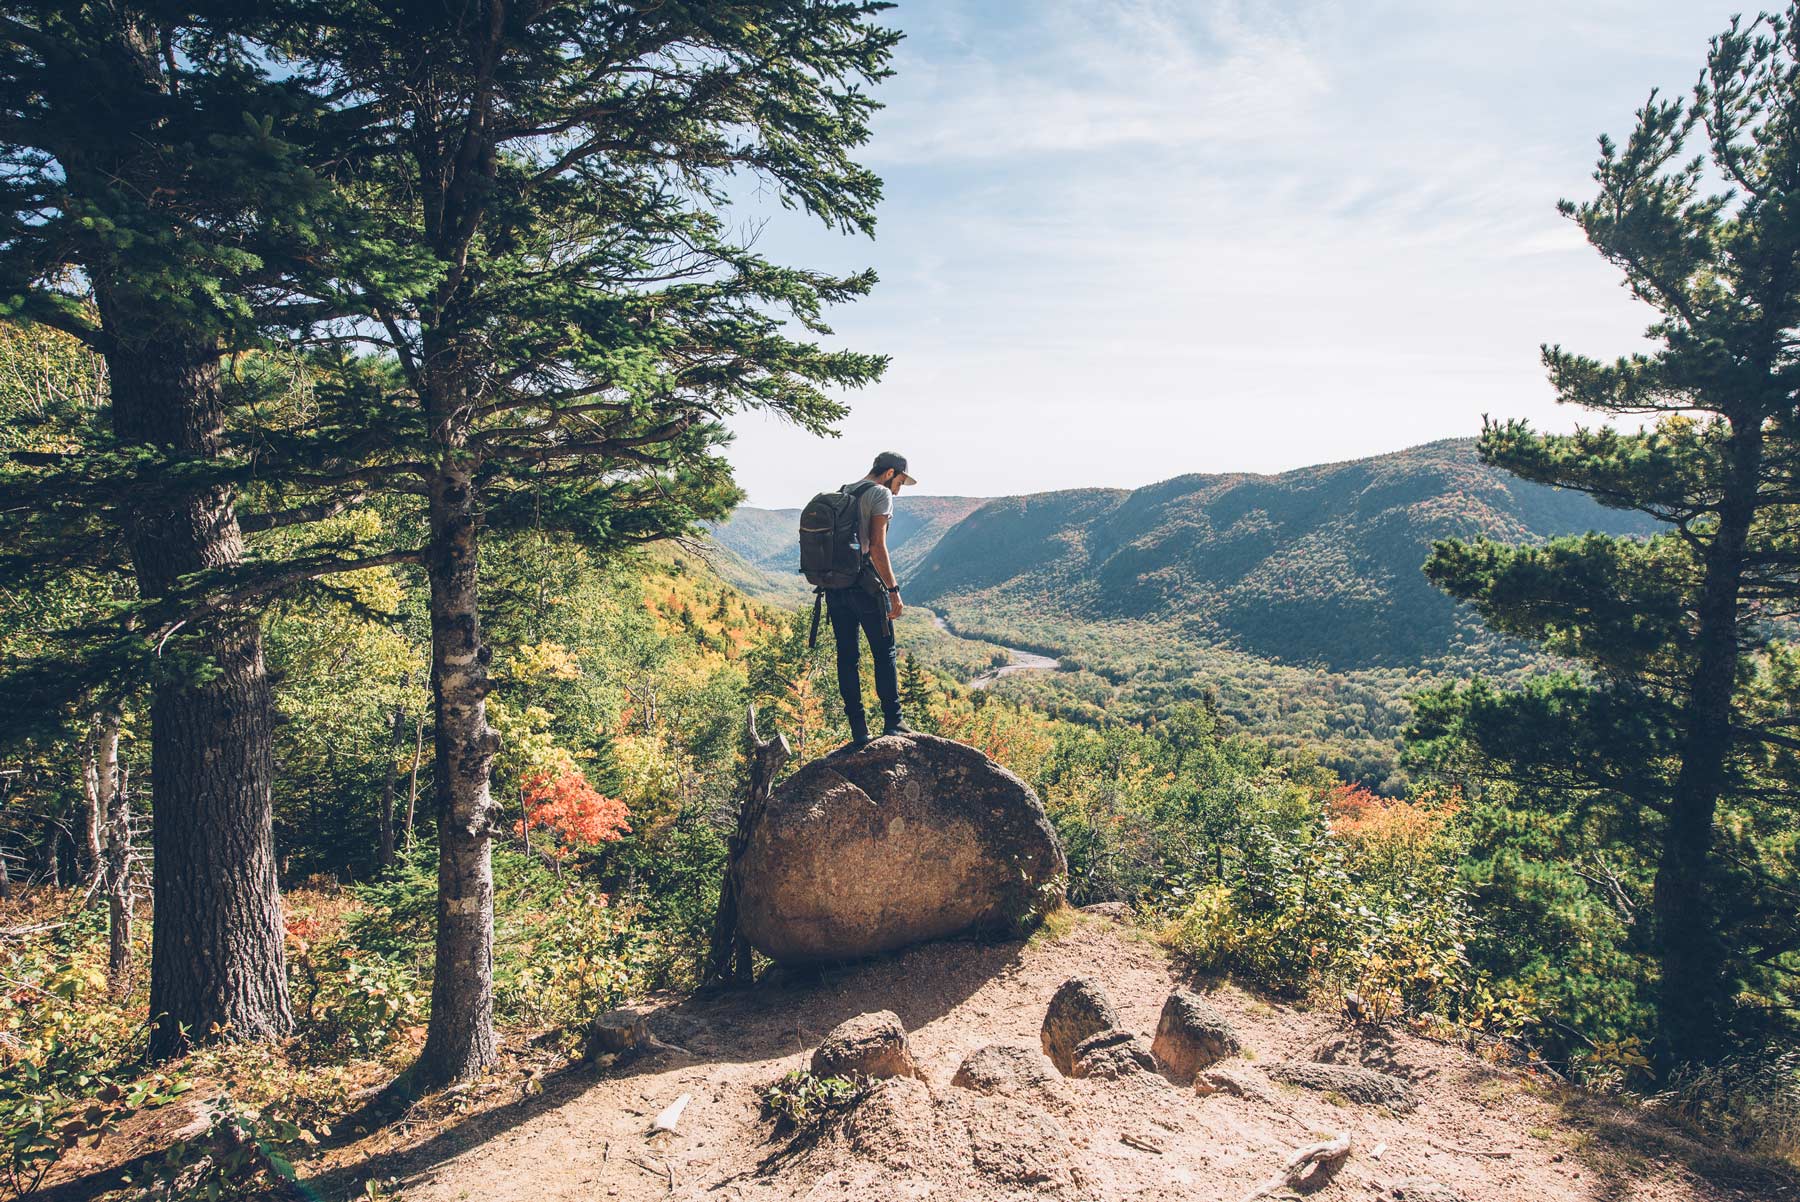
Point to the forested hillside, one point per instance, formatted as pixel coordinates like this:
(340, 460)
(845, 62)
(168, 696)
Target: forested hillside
(769, 538)
(1320, 565)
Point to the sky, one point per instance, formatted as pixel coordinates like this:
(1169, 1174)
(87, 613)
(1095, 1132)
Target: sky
(1124, 240)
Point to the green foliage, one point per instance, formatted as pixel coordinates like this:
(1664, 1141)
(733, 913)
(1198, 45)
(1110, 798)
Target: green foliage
(585, 957)
(1299, 911)
(243, 1151)
(68, 1054)
(1751, 1101)
(800, 1100)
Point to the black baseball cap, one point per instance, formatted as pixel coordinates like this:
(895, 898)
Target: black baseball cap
(894, 461)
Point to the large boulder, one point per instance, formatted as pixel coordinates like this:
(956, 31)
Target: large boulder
(912, 838)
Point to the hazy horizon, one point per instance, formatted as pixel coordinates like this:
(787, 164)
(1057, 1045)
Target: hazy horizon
(1251, 238)
(920, 493)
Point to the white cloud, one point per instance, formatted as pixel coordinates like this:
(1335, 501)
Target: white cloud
(1127, 239)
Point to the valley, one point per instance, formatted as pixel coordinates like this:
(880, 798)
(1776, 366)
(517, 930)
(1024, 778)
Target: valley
(1294, 603)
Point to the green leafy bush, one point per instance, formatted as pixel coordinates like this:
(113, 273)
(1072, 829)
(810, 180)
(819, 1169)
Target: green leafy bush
(242, 1151)
(800, 1100)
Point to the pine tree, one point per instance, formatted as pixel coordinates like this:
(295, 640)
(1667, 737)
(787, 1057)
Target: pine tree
(146, 197)
(915, 692)
(1675, 628)
(592, 317)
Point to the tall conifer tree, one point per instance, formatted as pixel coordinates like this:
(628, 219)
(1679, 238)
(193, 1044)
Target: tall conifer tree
(593, 314)
(1676, 722)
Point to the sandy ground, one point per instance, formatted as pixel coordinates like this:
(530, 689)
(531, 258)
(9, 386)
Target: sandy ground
(1488, 1132)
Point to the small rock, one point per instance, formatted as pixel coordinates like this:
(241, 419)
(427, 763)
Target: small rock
(1191, 1035)
(1237, 1082)
(873, 1045)
(1079, 1009)
(1424, 1189)
(1112, 1055)
(1007, 1070)
(1358, 1084)
(1116, 911)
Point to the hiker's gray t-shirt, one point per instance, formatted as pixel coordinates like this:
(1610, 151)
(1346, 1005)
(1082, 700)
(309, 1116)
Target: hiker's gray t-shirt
(876, 502)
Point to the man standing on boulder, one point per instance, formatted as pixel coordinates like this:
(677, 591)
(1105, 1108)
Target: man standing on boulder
(870, 604)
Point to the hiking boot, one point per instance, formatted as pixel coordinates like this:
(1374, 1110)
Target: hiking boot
(897, 727)
(859, 731)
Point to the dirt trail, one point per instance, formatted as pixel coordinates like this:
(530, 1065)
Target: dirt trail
(1488, 1132)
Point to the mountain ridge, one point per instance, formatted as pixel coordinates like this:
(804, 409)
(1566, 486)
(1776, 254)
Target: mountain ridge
(1318, 564)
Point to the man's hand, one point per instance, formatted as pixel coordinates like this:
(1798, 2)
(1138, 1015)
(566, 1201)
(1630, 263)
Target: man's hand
(895, 609)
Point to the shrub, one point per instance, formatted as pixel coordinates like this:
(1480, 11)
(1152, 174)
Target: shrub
(585, 957)
(800, 1100)
(1752, 1102)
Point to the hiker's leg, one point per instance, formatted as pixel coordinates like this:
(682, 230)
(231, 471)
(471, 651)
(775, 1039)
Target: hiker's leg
(885, 655)
(845, 620)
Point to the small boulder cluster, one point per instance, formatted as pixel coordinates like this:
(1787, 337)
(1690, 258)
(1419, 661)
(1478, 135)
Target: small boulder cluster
(1083, 1038)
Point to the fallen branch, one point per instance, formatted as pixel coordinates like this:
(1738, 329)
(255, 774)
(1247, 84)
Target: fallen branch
(1495, 1152)
(1309, 1165)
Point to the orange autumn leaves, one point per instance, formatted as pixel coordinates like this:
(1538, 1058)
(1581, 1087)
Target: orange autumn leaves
(1392, 829)
(572, 810)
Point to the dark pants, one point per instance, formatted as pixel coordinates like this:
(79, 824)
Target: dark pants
(856, 611)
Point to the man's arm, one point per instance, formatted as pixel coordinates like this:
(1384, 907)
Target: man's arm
(878, 556)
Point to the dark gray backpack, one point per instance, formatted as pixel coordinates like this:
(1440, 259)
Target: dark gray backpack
(830, 526)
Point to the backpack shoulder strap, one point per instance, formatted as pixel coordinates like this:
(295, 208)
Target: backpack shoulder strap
(859, 488)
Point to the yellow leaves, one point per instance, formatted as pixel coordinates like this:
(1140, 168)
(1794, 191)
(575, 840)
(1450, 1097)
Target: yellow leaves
(536, 663)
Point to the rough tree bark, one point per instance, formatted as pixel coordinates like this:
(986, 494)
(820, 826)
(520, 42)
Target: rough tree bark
(119, 897)
(1693, 992)
(459, 1041)
(412, 778)
(98, 779)
(389, 782)
(217, 962)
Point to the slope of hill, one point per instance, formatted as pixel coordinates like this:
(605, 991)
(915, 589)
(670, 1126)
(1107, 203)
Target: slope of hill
(1318, 565)
(769, 539)
(1480, 1131)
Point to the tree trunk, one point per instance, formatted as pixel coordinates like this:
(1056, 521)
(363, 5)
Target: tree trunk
(728, 955)
(119, 897)
(460, 1039)
(98, 778)
(1693, 990)
(389, 782)
(217, 964)
(412, 780)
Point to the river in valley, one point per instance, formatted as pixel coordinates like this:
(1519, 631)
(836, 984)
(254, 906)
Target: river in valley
(1022, 660)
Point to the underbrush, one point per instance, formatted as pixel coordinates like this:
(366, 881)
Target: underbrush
(1751, 1102)
(72, 1076)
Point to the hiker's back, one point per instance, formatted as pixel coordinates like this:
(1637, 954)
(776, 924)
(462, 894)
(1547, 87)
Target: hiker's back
(832, 546)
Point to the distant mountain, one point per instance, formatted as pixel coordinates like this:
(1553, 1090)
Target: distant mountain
(769, 539)
(1318, 565)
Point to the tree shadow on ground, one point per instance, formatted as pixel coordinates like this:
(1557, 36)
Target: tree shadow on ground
(1622, 1146)
(785, 1012)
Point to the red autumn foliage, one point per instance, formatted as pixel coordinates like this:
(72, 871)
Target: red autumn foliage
(573, 810)
(1369, 818)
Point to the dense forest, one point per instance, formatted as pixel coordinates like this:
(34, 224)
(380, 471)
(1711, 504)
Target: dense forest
(375, 702)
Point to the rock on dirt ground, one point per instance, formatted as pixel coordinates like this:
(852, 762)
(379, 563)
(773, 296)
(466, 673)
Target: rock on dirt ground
(1008, 1126)
(871, 1045)
(912, 838)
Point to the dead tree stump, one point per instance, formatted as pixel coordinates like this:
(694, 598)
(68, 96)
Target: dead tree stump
(728, 958)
